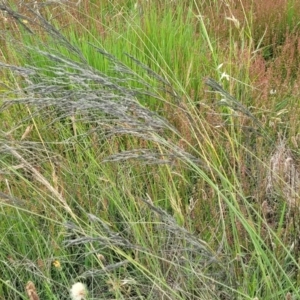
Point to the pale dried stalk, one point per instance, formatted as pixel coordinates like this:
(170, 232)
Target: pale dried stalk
(40, 178)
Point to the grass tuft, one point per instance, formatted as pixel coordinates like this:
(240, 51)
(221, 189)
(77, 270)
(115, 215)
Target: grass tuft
(140, 156)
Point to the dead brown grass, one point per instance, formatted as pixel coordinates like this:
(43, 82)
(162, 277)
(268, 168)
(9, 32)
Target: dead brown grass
(284, 176)
(31, 291)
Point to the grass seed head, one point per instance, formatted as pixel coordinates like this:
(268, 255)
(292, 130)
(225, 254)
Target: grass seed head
(31, 291)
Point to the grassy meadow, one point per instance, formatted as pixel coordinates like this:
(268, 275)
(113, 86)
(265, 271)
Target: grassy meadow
(149, 149)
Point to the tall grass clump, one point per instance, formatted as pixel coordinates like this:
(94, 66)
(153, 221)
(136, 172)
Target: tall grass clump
(127, 171)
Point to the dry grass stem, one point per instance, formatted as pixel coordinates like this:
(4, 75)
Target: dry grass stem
(40, 178)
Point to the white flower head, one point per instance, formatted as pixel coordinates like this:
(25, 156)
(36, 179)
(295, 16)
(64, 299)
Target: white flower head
(78, 291)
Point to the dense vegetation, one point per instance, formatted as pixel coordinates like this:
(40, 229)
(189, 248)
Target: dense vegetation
(149, 149)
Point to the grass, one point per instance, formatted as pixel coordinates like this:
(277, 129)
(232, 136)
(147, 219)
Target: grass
(148, 151)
